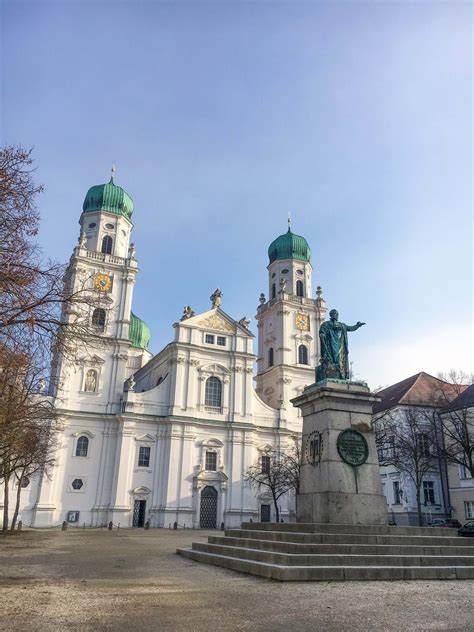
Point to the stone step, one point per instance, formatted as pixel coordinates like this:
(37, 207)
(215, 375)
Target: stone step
(317, 527)
(348, 538)
(346, 549)
(289, 559)
(329, 573)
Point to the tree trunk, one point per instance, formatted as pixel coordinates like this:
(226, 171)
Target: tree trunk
(6, 482)
(17, 506)
(277, 511)
(418, 506)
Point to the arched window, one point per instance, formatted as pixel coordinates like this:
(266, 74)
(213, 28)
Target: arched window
(270, 356)
(82, 446)
(90, 384)
(303, 354)
(299, 288)
(274, 290)
(213, 395)
(98, 317)
(107, 245)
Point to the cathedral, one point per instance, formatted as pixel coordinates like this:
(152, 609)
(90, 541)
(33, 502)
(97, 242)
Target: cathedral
(168, 438)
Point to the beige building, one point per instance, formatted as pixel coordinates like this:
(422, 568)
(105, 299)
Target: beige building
(461, 483)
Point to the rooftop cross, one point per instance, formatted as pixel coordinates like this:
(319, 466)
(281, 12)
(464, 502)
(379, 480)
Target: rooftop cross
(112, 172)
(289, 220)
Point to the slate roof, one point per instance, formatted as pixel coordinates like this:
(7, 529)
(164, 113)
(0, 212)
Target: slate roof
(464, 400)
(420, 389)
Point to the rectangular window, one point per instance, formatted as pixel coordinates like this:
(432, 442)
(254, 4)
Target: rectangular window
(209, 339)
(469, 508)
(423, 444)
(266, 461)
(397, 499)
(428, 492)
(464, 472)
(221, 341)
(144, 456)
(211, 461)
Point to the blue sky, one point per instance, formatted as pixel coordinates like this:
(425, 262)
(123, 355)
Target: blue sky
(223, 116)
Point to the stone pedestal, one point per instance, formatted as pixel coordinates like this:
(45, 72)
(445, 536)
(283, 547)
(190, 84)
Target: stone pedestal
(331, 490)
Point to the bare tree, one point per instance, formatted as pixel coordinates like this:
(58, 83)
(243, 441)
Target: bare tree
(278, 473)
(407, 441)
(27, 417)
(453, 418)
(37, 297)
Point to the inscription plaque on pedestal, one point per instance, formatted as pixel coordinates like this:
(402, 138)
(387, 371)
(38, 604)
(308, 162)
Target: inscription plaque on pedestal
(352, 447)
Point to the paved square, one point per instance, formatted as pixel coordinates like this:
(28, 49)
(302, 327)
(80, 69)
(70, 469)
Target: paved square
(133, 580)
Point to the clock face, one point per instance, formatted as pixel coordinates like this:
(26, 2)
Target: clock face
(302, 322)
(103, 282)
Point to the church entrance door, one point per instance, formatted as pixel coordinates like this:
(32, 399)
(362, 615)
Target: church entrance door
(208, 513)
(139, 513)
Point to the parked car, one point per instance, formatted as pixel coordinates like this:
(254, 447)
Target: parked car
(452, 523)
(449, 523)
(467, 530)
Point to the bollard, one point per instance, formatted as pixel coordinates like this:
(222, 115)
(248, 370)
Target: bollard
(101, 525)
(169, 526)
(222, 526)
(110, 525)
(64, 526)
(147, 525)
(20, 524)
(184, 526)
(251, 520)
(175, 525)
(118, 527)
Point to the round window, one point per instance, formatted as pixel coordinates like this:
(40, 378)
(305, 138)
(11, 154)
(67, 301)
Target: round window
(110, 226)
(124, 233)
(93, 225)
(299, 271)
(285, 271)
(273, 275)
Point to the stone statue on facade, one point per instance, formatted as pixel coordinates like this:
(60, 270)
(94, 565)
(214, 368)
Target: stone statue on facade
(187, 313)
(82, 240)
(245, 322)
(261, 299)
(130, 384)
(334, 361)
(216, 298)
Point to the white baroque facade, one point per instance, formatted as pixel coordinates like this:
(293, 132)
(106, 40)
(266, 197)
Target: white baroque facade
(168, 438)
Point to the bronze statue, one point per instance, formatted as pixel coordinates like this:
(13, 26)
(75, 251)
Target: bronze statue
(334, 361)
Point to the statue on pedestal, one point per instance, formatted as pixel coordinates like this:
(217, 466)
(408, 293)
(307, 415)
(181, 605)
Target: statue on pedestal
(334, 361)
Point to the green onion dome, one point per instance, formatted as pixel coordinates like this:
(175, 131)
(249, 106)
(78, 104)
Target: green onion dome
(108, 197)
(138, 333)
(289, 246)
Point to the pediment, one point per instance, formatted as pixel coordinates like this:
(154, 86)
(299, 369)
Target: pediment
(212, 443)
(145, 437)
(216, 321)
(90, 360)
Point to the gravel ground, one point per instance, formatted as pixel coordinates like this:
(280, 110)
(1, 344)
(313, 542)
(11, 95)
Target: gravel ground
(133, 580)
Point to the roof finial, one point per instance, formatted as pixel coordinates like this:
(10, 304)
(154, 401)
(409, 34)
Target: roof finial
(112, 172)
(289, 221)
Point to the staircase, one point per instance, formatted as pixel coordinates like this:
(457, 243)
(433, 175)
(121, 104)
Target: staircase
(324, 552)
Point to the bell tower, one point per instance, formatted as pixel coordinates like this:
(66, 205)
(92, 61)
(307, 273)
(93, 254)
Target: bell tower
(111, 341)
(288, 325)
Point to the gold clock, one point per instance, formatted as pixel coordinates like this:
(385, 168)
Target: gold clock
(103, 282)
(302, 322)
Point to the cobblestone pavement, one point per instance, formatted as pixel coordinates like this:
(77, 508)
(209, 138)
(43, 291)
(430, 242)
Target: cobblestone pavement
(133, 580)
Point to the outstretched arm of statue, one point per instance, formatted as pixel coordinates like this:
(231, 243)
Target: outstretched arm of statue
(355, 327)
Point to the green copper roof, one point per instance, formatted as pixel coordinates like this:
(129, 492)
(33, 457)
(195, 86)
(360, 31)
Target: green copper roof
(289, 246)
(108, 197)
(139, 333)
